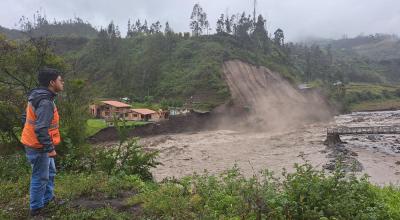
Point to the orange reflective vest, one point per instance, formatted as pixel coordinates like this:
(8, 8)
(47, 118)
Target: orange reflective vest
(29, 138)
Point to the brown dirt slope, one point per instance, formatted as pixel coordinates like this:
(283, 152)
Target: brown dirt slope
(270, 98)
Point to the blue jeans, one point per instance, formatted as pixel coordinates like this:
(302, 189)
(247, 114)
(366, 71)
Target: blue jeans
(42, 180)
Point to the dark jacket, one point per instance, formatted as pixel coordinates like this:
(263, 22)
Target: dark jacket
(42, 100)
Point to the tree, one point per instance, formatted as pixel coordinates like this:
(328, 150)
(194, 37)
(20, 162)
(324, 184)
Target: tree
(279, 37)
(138, 27)
(220, 24)
(117, 32)
(170, 39)
(199, 20)
(155, 28)
(206, 26)
(129, 32)
(243, 27)
(229, 23)
(111, 31)
(168, 30)
(19, 65)
(145, 27)
(260, 34)
(259, 28)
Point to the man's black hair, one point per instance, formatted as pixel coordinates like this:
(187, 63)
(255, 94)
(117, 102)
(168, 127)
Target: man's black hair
(46, 75)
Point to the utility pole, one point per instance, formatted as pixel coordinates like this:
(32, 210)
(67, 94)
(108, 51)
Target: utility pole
(254, 11)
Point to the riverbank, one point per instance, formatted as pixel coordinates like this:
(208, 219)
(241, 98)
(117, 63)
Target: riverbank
(376, 105)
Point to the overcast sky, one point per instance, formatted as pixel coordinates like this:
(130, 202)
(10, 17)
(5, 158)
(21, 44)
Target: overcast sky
(298, 18)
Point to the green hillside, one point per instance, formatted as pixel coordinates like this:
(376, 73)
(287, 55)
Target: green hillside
(166, 66)
(41, 27)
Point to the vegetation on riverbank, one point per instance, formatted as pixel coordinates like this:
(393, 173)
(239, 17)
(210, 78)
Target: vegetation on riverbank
(372, 97)
(304, 194)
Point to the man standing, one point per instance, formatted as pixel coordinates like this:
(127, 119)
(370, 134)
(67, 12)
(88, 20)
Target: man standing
(40, 136)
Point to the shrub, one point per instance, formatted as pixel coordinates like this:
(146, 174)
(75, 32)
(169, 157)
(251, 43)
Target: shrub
(312, 194)
(128, 157)
(75, 157)
(229, 196)
(305, 194)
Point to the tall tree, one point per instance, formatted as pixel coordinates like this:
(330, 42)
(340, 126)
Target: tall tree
(129, 32)
(243, 27)
(155, 28)
(259, 28)
(145, 28)
(260, 34)
(199, 21)
(220, 24)
(138, 26)
(279, 37)
(168, 30)
(117, 32)
(229, 23)
(111, 31)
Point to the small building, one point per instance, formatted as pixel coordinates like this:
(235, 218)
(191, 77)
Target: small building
(108, 109)
(178, 111)
(143, 114)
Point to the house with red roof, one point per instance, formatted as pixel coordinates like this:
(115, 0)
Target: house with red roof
(143, 114)
(109, 108)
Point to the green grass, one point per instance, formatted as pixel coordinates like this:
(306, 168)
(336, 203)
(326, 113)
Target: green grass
(72, 186)
(374, 88)
(14, 195)
(376, 105)
(95, 125)
(391, 196)
(372, 97)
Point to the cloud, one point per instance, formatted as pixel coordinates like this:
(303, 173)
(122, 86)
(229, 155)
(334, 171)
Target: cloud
(298, 19)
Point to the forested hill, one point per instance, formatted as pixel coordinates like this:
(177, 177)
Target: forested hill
(154, 63)
(373, 58)
(377, 47)
(41, 27)
(160, 64)
(12, 33)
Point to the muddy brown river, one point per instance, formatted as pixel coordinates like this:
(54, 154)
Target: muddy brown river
(215, 151)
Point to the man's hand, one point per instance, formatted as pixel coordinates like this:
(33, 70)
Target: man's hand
(52, 153)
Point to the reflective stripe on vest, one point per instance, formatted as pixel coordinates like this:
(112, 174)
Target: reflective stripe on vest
(29, 137)
(52, 126)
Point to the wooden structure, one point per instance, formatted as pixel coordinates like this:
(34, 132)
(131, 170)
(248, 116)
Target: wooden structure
(333, 134)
